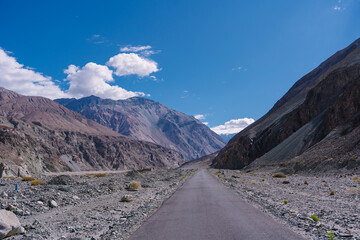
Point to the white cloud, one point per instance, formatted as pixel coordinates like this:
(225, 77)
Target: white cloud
(130, 48)
(337, 8)
(24, 80)
(199, 116)
(93, 79)
(233, 126)
(132, 64)
(206, 123)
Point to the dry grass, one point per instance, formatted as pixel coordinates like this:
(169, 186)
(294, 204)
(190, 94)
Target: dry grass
(356, 179)
(353, 158)
(10, 177)
(352, 191)
(27, 179)
(134, 186)
(100, 175)
(36, 182)
(279, 175)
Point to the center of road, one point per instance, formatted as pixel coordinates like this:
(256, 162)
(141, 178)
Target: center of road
(204, 209)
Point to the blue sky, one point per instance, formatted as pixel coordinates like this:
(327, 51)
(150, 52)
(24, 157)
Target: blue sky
(225, 60)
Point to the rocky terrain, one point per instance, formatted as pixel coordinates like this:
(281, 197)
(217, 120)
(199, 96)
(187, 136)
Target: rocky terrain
(93, 206)
(147, 120)
(317, 207)
(322, 106)
(38, 135)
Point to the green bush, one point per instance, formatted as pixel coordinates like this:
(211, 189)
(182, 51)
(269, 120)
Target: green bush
(315, 218)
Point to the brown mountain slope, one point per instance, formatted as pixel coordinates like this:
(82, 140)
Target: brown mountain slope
(318, 103)
(37, 134)
(147, 120)
(48, 113)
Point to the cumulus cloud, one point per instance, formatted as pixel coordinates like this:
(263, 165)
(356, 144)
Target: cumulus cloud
(132, 64)
(337, 8)
(199, 116)
(93, 79)
(233, 126)
(25, 80)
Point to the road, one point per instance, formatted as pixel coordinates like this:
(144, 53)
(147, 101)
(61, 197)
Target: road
(204, 209)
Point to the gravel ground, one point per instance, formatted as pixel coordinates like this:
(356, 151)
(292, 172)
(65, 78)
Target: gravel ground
(338, 214)
(89, 206)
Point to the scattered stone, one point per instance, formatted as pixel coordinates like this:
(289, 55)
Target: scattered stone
(126, 198)
(53, 204)
(62, 180)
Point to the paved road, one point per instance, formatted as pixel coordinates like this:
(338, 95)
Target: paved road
(203, 209)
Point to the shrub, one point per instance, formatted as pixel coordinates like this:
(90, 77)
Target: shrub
(10, 177)
(356, 179)
(134, 186)
(263, 180)
(331, 235)
(285, 201)
(100, 175)
(279, 175)
(352, 191)
(218, 172)
(36, 182)
(314, 218)
(285, 182)
(332, 192)
(353, 158)
(27, 179)
(183, 176)
(249, 170)
(325, 185)
(306, 183)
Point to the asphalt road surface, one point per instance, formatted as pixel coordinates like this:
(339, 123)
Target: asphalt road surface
(204, 209)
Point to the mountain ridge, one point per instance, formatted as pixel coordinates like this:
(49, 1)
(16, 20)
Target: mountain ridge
(148, 120)
(311, 109)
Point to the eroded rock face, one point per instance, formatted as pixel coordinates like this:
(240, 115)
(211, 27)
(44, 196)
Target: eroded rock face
(37, 134)
(147, 120)
(324, 99)
(36, 149)
(9, 224)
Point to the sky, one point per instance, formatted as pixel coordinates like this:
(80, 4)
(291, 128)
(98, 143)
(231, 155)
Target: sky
(224, 62)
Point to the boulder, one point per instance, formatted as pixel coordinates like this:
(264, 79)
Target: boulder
(9, 224)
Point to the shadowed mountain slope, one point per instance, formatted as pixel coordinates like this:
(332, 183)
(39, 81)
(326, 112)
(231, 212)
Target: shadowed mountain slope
(317, 106)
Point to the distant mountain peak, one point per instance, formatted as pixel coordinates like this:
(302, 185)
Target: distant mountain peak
(148, 120)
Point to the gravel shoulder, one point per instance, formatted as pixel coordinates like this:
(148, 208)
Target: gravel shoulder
(88, 206)
(293, 199)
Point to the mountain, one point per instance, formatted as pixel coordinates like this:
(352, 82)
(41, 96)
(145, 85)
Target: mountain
(319, 111)
(38, 134)
(147, 120)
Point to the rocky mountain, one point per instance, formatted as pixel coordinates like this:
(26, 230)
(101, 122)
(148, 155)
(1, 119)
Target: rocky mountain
(321, 111)
(150, 121)
(37, 134)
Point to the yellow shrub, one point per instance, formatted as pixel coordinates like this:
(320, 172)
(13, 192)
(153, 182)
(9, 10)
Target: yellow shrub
(134, 186)
(27, 179)
(36, 182)
(279, 175)
(100, 175)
